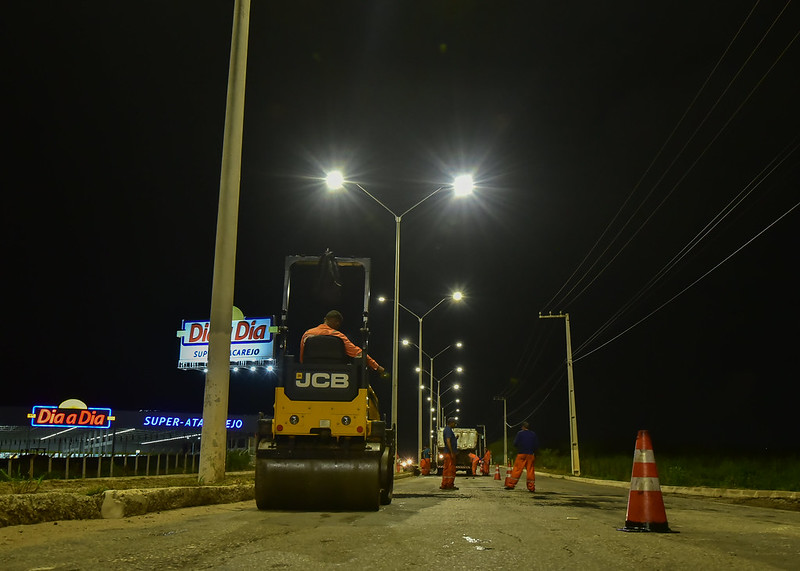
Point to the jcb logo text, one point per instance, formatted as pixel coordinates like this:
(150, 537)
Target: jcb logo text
(323, 380)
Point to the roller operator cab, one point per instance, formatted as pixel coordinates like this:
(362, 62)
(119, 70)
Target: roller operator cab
(326, 447)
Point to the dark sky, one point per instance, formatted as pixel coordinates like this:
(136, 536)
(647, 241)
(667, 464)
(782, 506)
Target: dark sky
(623, 152)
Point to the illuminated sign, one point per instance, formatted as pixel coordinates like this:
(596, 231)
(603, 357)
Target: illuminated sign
(180, 421)
(251, 342)
(70, 414)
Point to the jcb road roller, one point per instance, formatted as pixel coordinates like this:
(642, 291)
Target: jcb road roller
(326, 447)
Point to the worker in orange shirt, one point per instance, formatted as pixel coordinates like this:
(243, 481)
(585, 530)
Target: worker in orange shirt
(487, 462)
(331, 325)
(474, 459)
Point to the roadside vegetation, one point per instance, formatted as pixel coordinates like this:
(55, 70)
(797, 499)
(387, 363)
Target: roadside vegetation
(238, 467)
(781, 472)
(20, 483)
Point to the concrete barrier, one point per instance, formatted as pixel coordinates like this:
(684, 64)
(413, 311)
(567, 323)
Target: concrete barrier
(125, 503)
(21, 509)
(24, 509)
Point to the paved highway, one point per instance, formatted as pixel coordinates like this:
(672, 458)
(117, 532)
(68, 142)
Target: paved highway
(564, 525)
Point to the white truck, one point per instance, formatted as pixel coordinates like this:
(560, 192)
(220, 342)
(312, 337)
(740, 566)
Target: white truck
(470, 440)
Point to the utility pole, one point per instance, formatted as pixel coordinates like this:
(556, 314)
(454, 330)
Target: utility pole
(505, 431)
(213, 443)
(573, 420)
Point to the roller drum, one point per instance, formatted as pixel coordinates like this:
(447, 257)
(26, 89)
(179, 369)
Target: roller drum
(349, 483)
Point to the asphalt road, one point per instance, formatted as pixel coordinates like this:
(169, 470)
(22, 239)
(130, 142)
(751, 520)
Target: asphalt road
(564, 525)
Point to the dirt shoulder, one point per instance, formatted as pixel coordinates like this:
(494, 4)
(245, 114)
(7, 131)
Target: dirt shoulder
(54, 500)
(95, 486)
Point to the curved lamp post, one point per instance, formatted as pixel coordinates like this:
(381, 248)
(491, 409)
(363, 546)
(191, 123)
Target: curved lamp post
(456, 401)
(455, 296)
(462, 185)
(458, 345)
(439, 395)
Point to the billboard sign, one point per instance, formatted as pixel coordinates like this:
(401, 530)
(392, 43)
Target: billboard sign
(67, 415)
(251, 342)
(178, 420)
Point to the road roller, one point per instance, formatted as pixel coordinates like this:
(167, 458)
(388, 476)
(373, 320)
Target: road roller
(326, 447)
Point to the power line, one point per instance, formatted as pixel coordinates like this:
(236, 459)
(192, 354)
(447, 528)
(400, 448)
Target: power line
(720, 216)
(684, 290)
(561, 302)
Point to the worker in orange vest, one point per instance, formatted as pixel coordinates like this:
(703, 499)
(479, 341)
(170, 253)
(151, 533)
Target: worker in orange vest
(474, 459)
(425, 461)
(487, 462)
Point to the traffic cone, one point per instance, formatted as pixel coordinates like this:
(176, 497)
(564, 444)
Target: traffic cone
(645, 503)
(497, 472)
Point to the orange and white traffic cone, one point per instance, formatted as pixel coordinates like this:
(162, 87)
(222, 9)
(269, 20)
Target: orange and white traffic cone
(497, 472)
(645, 503)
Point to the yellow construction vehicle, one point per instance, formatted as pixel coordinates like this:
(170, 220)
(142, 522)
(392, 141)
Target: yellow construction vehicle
(326, 447)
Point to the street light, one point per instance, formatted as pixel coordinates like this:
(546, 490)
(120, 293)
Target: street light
(458, 345)
(462, 185)
(439, 394)
(455, 296)
(438, 403)
(505, 428)
(444, 407)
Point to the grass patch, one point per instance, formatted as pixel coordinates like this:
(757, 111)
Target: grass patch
(21, 484)
(238, 461)
(749, 472)
(745, 472)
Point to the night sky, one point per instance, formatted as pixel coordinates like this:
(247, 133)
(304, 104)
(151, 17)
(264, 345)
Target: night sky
(636, 166)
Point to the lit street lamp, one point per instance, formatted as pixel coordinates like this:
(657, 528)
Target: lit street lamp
(438, 409)
(462, 186)
(458, 345)
(457, 410)
(456, 387)
(456, 296)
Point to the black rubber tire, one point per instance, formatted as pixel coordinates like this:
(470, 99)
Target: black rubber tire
(262, 487)
(387, 469)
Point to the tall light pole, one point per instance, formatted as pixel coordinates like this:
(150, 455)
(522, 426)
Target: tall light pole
(213, 443)
(573, 420)
(455, 296)
(505, 431)
(457, 344)
(422, 387)
(462, 186)
(437, 402)
(439, 396)
(454, 401)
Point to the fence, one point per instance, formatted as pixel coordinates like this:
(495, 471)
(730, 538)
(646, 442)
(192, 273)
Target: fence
(99, 466)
